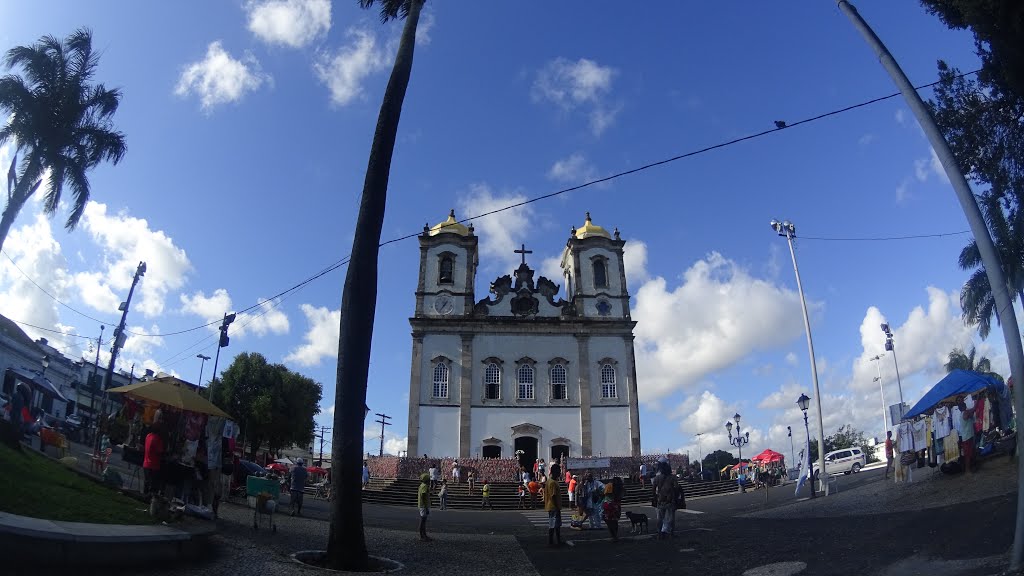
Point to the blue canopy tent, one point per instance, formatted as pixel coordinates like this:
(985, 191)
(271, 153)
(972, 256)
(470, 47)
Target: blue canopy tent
(956, 383)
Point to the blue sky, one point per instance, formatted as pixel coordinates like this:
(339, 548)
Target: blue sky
(249, 125)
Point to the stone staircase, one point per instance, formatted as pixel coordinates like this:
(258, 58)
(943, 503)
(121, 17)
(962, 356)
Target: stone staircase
(403, 491)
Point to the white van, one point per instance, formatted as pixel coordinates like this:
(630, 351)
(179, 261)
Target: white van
(846, 461)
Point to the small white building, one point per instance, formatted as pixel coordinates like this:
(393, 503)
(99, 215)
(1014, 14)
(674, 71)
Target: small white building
(523, 369)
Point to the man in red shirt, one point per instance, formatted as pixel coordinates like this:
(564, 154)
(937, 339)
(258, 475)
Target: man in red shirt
(153, 455)
(534, 488)
(888, 452)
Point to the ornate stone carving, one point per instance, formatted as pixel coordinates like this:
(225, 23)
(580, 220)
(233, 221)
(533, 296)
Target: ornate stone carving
(525, 429)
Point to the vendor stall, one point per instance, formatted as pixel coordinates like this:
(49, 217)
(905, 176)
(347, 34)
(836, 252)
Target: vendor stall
(192, 430)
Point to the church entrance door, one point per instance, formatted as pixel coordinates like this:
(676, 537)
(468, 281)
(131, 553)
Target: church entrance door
(492, 451)
(558, 451)
(528, 445)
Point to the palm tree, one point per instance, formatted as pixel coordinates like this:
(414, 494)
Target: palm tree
(959, 360)
(1005, 220)
(346, 541)
(60, 121)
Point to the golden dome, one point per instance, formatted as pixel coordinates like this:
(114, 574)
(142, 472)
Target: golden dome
(449, 226)
(590, 229)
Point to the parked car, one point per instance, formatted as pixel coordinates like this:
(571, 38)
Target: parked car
(845, 461)
(252, 469)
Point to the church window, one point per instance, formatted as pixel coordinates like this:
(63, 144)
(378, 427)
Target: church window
(526, 389)
(558, 382)
(608, 382)
(492, 382)
(445, 274)
(440, 380)
(600, 274)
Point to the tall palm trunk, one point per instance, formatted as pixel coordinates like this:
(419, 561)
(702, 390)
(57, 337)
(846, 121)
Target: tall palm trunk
(346, 541)
(23, 190)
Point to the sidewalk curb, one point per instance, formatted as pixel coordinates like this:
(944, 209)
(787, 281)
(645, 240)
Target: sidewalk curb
(37, 542)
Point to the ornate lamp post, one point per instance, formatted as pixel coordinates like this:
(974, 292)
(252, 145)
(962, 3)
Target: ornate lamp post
(738, 442)
(803, 402)
(890, 347)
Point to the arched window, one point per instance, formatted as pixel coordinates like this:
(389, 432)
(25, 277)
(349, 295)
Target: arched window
(440, 380)
(525, 376)
(444, 275)
(492, 382)
(558, 384)
(600, 274)
(608, 382)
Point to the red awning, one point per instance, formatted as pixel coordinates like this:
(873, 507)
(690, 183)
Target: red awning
(768, 456)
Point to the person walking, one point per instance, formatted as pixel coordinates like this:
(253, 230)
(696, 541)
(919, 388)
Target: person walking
(486, 492)
(572, 492)
(443, 495)
(366, 474)
(596, 491)
(153, 456)
(612, 507)
(522, 497)
(534, 488)
(643, 473)
(455, 472)
(471, 480)
(298, 487)
(433, 476)
(888, 453)
(423, 503)
(553, 506)
(665, 486)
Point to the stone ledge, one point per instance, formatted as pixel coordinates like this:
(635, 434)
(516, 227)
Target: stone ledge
(35, 542)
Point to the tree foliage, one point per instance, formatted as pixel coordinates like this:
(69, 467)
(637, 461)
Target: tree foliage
(273, 405)
(718, 459)
(998, 27)
(60, 122)
(848, 437)
(960, 360)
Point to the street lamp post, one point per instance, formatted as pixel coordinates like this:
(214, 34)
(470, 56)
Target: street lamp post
(202, 363)
(119, 340)
(802, 402)
(890, 347)
(792, 449)
(788, 229)
(701, 462)
(738, 442)
(881, 390)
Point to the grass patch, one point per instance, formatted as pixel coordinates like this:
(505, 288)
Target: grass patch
(33, 485)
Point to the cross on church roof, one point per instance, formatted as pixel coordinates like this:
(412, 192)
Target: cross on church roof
(524, 252)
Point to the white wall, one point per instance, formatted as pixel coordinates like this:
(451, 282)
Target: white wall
(512, 347)
(439, 431)
(449, 346)
(610, 429)
(602, 347)
(458, 270)
(498, 422)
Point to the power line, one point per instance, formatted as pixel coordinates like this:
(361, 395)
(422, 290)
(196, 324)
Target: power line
(885, 238)
(779, 126)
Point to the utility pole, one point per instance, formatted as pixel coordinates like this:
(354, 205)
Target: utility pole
(202, 362)
(92, 382)
(223, 343)
(323, 429)
(699, 454)
(119, 339)
(383, 422)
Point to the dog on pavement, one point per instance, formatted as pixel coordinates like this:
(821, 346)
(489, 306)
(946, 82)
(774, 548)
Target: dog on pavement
(637, 521)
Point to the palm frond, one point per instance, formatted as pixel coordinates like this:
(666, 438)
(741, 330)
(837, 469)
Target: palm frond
(389, 9)
(79, 184)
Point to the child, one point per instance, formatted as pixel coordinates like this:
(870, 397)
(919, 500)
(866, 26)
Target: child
(611, 510)
(522, 497)
(486, 491)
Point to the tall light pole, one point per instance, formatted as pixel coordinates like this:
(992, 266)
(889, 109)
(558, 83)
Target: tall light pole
(802, 402)
(989, 257)
(738, 442)
(93, 385)
(701, 462)
(885, 421)
(891, 347)
(202, 363)
(222, 343)
(119, 339)
(788, 229)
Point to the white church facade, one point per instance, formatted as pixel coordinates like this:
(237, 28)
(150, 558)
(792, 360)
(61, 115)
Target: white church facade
(523, 369)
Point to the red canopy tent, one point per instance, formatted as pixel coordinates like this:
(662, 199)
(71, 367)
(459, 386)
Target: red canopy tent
(768, 456)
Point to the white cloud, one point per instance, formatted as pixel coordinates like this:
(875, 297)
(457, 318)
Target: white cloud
(866, 139)
(921, 169)
(900, 116)
(331, 410)
(936, 166)
(139, 344)
(395, 444)
(125, 242)
(719, 315)
(293, 23)
(322, 338)
(344, 71)
(903, 191)
(634, 260)
(266, 318)
(499, 233)
(792, 359)
(219, 78)
(35, 251)
(583, 83)
(423, 28)
(575, 170)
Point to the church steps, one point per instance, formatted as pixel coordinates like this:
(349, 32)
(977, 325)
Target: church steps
(403, 492)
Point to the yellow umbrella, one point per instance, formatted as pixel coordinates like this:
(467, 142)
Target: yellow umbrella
(172, 392)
